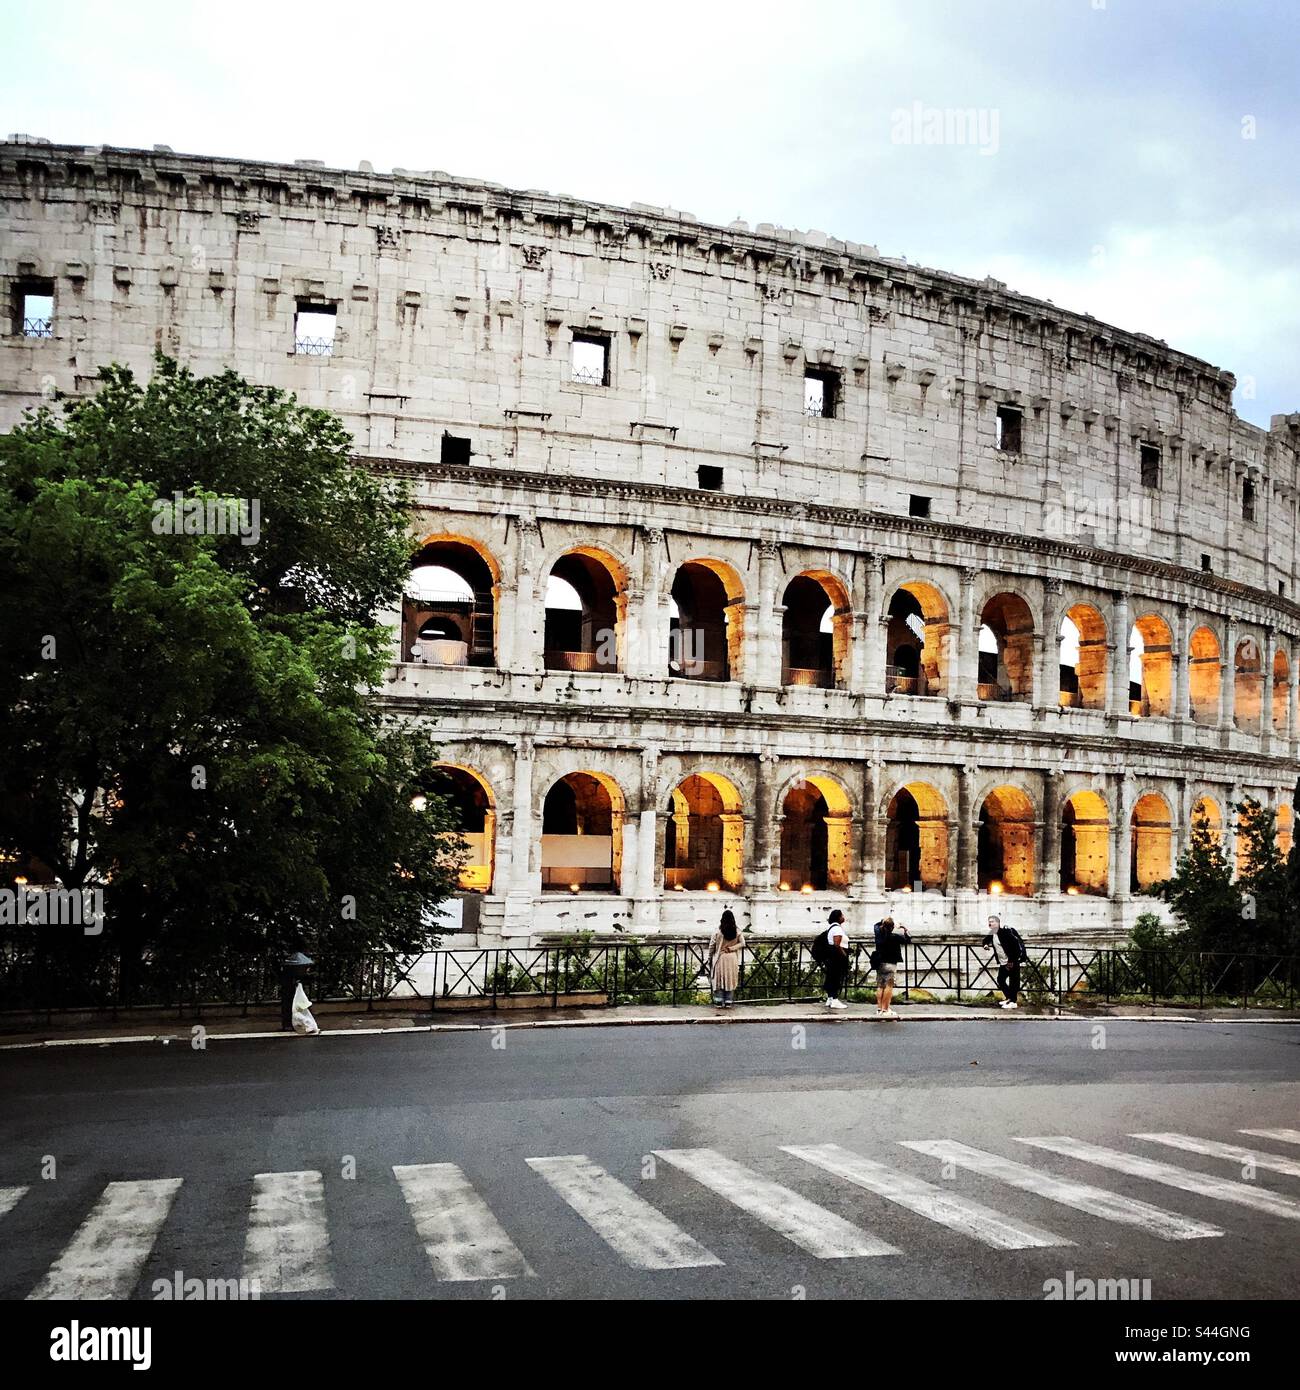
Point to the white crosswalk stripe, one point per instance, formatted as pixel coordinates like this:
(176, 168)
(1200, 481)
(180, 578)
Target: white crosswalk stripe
(1204, 1185)
(10, 1197)
(947, 1208)
(104, 1258)
(1234, 1153)
(462, 1238)
(1095, 1201)
(812, 1228)
(641, 1234)
(1283, 1136)
(287, 1249)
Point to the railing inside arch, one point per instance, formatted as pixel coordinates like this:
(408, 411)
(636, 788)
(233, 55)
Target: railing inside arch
(66, 985)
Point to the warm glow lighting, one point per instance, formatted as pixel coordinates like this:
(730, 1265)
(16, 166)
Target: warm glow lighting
(681, 887)
(714, 887)
(20, 881)
(907, 888)
(785, 887)
(1072, 891)
(574, 888)
(807, 888)
(995, 887)
(419, 802)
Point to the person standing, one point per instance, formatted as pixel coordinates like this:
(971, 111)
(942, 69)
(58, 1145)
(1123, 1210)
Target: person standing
(1013, 954)
(887, 957)
(724, 960)
(836, 960)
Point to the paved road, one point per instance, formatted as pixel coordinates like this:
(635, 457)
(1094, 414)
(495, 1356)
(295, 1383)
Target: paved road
(753, 1160)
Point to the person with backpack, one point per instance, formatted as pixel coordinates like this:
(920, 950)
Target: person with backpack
(830, 949)
(1013, 954)
(724, 960)
(885, 960)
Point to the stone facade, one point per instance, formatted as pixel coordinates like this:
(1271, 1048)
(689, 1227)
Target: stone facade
(742, 556)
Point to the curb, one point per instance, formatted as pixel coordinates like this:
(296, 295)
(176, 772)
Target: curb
(643, 1022)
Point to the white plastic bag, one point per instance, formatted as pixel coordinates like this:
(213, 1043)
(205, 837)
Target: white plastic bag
(303, 1022)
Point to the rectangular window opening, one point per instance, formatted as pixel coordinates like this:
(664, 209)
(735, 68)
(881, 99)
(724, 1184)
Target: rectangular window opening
(1206, 566)
(1150, 460)
(313, 329)
(591, 359)
(710, 476)
(33, 310)
(918, 506)
(455, 449)
(1007, 429)
(1247, 500)
(821, 392)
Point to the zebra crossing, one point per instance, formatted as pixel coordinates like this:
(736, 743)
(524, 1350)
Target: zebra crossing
(288, 1245)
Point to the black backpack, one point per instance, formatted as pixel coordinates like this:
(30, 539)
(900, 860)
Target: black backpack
(820, 950)
(1017, 943)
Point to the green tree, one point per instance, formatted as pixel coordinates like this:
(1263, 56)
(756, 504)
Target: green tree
(191, 724)
(1269, 900)
(1204, 898)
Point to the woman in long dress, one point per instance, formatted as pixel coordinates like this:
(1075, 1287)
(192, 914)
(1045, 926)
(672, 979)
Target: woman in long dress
(724, 960)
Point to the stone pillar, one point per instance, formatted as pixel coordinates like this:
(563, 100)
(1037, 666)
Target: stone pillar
(767, 621)
(967, 879)
(524, 880)
(530, 612)
(875, 628)
(968, 641)
(1292, 699)
(505, 596)
(759, 872)
(1121, 856)
(649, 660)
(860, 620)
(1119, 647)
(1048, 664)
(1228, 679)
(1049, 873)
(649, 885)
(869, 877)
(1266, 741)
(1182, 659)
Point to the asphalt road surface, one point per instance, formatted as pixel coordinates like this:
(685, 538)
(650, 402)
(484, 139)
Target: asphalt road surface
(753, 1160)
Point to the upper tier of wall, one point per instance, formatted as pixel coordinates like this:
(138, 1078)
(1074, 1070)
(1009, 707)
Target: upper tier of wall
(457, 302)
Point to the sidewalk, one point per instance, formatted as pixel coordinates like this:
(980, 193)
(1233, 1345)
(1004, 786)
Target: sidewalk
(362, 1023)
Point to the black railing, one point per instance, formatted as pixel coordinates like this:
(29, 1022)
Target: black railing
(64, 982)
(38, 328)
(313, 347)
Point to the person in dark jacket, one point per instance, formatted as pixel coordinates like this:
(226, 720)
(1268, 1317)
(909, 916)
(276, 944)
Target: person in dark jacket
(888, 956)
(1013, 953)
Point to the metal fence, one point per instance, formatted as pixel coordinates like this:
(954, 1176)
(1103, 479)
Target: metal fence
(49, 985)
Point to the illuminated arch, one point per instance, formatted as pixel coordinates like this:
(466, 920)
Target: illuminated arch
(918, 637)
(1151, 833)
(586, 611)
(450, 605)
(706, 636)
(582, 833)
(475, 807)
(1006, 648)
(815, 630)
(704, 835)
(1005, 854)
(1204, 676)
(1085, 843)
(916, 838)
(1083, 660)
(1151, 668)
(816, 835)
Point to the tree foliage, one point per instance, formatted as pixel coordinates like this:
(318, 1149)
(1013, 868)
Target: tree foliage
(190, 721)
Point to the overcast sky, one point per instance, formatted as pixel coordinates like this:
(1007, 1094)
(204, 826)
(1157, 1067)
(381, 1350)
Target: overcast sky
(1134, 159)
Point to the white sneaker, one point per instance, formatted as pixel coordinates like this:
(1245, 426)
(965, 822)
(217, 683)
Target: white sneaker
(838, 1004)
(1008, 1004)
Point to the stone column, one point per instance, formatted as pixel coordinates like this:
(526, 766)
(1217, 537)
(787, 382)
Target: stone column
(1119, 646)
(524, 880)
(1266, 692)
(870, 880)
(875, 628)
(1121, 856)
(530, 613)
(1049, 870)
(1182, 659)
(1048, 665)
(1292, 699)
(1228, 678)
(860, 620)
(968, 641)
(649, 885)
(759, 873)
(967, 831)
(652, 622)
(505, 595)
(767, 625)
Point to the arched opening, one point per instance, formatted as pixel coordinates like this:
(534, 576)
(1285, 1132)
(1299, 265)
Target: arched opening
(1285, 827)
(1208, 812)
(706, 612)
(1281, 691)
(584, 614)
(1083, 658)
(1006, 649)
(1249, 686)
(1085, 844)
(582, 834)
(475, 809)
(916, 839)
(816, 831)
(814, 632)
(916, 641)
(1151, 834)
(704, 835)
(1203, 676)
(1005, 853)
(448, 610)
(1150, 668)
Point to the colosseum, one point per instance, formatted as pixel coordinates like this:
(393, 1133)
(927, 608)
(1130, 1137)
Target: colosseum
(752, 568)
